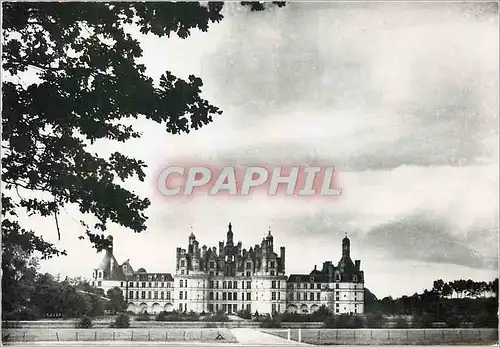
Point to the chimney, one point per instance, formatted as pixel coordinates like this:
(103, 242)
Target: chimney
(282, 256)
(221, 249)
(357, 264)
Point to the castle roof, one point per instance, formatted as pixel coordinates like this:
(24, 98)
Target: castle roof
(297, 278)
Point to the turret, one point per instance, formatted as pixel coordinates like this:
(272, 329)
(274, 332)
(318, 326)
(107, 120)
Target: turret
(270, 240)
(229, 241)
(109, 248)
(346, 247)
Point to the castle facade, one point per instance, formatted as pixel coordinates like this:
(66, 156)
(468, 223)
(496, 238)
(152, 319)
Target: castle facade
(231, 278)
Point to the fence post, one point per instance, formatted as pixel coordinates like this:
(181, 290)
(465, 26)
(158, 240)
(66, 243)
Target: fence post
(319, 334)
(57, 336)
(461, 336)
(442, 334)
(479, 334)
(406, 335)
(388, 334)
(288, 334)
(166, 335)
(132, 336)
(424, 334)
(24, 336)
(371, 334)
(77, 336)
(113, 335)
(184, 335)
(201, 334)
(149, 335)
(300, 335)
(95, 335)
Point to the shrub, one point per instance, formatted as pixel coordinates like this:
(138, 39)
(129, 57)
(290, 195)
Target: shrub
(423, 321)
(375, 320)
(219, 316)
(295, 317)
(84, 323)
(453, 321)
(121, 322)
(175, 316)
(271, 322)
(27, 314)
(191, 316)
(245, 314)
(401, 323)
(319, 315)
(484, 320)
(160, 317)
(143, 317)
(344, 321)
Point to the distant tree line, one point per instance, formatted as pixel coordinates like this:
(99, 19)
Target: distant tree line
(454, 303)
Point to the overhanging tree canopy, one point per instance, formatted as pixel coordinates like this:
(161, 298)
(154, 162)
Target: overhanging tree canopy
(88, 82)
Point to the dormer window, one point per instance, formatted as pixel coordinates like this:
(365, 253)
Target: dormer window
(312, 279)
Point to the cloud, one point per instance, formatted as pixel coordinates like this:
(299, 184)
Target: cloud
(429, 239)
(371, 87)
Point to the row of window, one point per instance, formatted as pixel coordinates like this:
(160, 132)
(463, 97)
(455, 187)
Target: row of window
(248, 265)
(228, 296)
(313, 285)
(150, 284)
(304, 296)
(304, 285)
(150, 295)
(233, 273)
(229, 284)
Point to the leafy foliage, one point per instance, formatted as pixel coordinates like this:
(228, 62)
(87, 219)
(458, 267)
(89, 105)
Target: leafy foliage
(143, 317)
(84, 323)
(245, 314)
(401, 323)
(121, 322)
(344, 321)
(88, 83)
(271, 322)
(116, 302)
(176, 316)
(219, 316)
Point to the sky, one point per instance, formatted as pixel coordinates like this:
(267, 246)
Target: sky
(402, 98)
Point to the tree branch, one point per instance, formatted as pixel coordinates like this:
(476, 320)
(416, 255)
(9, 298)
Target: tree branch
(57, 221)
